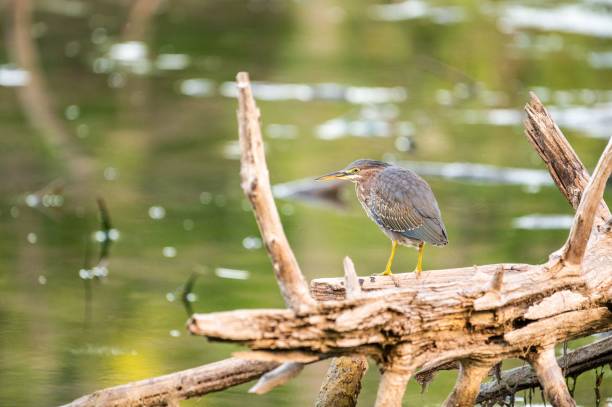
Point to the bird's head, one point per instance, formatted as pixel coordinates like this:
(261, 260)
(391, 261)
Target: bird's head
(356, 171)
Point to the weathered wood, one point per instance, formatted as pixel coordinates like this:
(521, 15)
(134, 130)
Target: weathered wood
(467, 387)
(256, 186)
(391, 389)
(165, 390)
(550, 377)
(578, 361)
(576, 244)
(564, 166)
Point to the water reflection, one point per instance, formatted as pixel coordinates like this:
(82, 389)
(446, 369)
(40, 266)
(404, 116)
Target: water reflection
(482, 173)
(594, 121)
(587, 19)
(33, 94)
(543, 222)
(368, 121)
(309, 190)
(11, 76)
(323, 91)
(232, 274)
(415, 9)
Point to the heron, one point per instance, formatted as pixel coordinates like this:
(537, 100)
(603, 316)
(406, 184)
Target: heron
(400, 202)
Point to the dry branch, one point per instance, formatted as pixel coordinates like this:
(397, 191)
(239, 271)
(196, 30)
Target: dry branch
(165, 390)
(578, 361)
(256, 186)
(565, 167)
(591, 198)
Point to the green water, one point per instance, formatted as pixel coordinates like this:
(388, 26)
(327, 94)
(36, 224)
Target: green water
(458, 70)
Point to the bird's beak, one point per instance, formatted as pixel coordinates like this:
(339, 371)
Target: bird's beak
(332, 175)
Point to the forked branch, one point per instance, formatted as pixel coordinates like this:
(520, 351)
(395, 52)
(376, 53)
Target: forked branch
(585, 214)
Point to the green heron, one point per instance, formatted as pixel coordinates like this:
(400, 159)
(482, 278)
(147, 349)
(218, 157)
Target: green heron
(400, 202)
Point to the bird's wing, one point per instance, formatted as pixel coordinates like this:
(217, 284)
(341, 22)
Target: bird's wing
(403, 202)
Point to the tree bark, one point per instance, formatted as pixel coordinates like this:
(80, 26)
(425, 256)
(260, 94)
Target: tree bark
(342, 382)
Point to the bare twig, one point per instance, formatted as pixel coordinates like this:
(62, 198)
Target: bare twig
(471, 375)
(585, 214)
(550, 377)
(578, 361)
(256, 186)
(186, 384)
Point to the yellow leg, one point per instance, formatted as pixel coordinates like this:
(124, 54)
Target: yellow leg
(390, 261)
(419, 266)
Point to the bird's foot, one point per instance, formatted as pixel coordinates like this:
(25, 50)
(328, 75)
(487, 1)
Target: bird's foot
(385, 273)
(418, 273)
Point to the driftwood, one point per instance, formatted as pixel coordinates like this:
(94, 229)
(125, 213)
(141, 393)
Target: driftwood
(476, 315)
(166, 390)
(472, 316)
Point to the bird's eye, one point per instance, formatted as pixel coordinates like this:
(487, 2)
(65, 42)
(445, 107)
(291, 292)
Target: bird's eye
(354, 170)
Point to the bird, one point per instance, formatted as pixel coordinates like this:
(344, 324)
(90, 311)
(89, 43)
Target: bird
(400, 202)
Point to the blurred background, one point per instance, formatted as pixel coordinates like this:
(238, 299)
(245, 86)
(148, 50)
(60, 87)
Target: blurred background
(133, 102)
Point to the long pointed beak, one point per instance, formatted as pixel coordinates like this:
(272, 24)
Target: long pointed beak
(331, 175)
